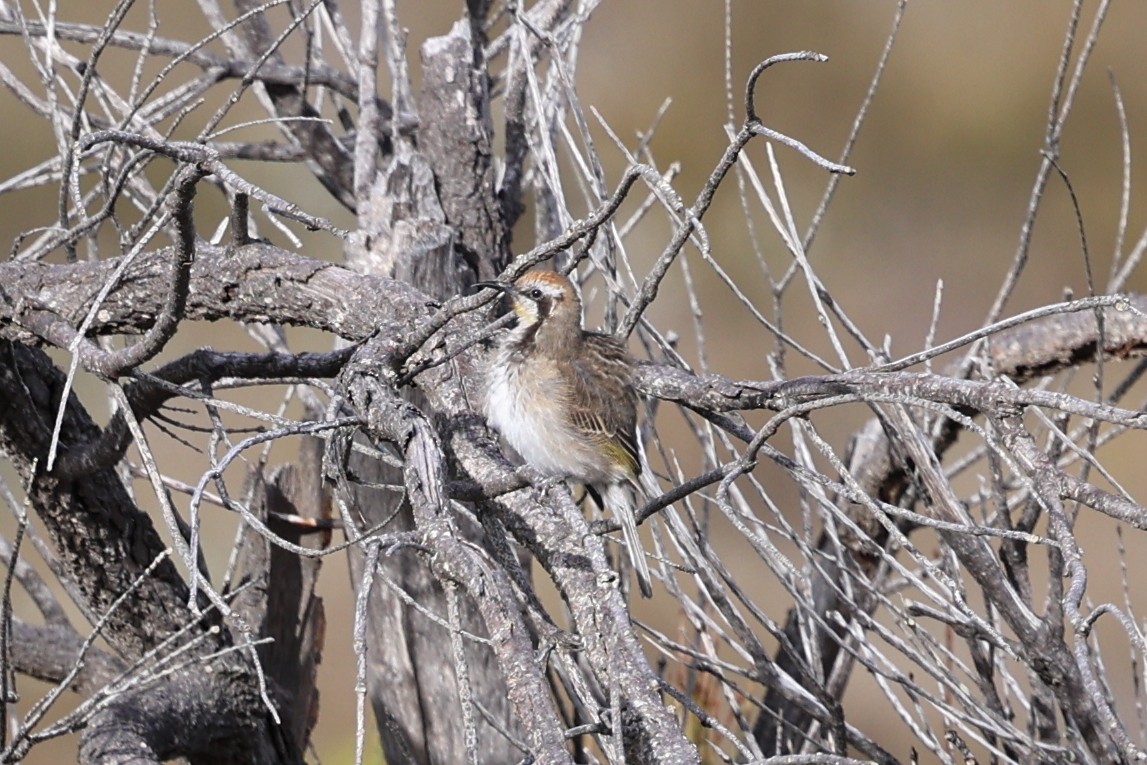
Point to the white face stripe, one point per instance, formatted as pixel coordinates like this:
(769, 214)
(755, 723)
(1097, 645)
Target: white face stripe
(525, 308)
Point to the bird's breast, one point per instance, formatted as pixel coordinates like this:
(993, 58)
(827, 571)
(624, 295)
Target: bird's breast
(525, 401)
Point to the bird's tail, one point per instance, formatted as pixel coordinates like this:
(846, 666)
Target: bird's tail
(618, 497)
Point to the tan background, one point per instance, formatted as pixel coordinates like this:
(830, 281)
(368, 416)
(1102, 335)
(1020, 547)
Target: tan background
(945, 166)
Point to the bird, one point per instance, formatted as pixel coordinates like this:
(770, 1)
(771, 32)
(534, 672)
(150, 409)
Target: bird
(563, 398)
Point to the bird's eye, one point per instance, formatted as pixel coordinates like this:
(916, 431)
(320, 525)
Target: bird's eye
(535, 294)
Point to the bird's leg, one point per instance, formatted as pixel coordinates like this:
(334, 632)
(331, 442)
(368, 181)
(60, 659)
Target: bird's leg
(595, 495)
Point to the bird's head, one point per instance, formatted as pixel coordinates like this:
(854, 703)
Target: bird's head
(541, 296)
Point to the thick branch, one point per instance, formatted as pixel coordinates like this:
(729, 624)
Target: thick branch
(396, 421)
(255, 282)
(192, 713)
(116, 560)
(105, 542)
(455, 112)
(50, 652)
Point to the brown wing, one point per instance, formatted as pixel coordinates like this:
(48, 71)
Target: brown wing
(604, 402)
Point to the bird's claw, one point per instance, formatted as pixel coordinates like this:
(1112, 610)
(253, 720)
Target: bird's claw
(541, 482)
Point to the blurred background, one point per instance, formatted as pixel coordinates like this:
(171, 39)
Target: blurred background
(945, 164)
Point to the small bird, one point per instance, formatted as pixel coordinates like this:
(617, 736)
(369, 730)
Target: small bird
(564, 399)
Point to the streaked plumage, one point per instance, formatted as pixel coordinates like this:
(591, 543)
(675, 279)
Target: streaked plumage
(563, 398)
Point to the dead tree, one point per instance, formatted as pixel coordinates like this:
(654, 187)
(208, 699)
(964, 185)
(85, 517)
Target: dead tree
(963, 601)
